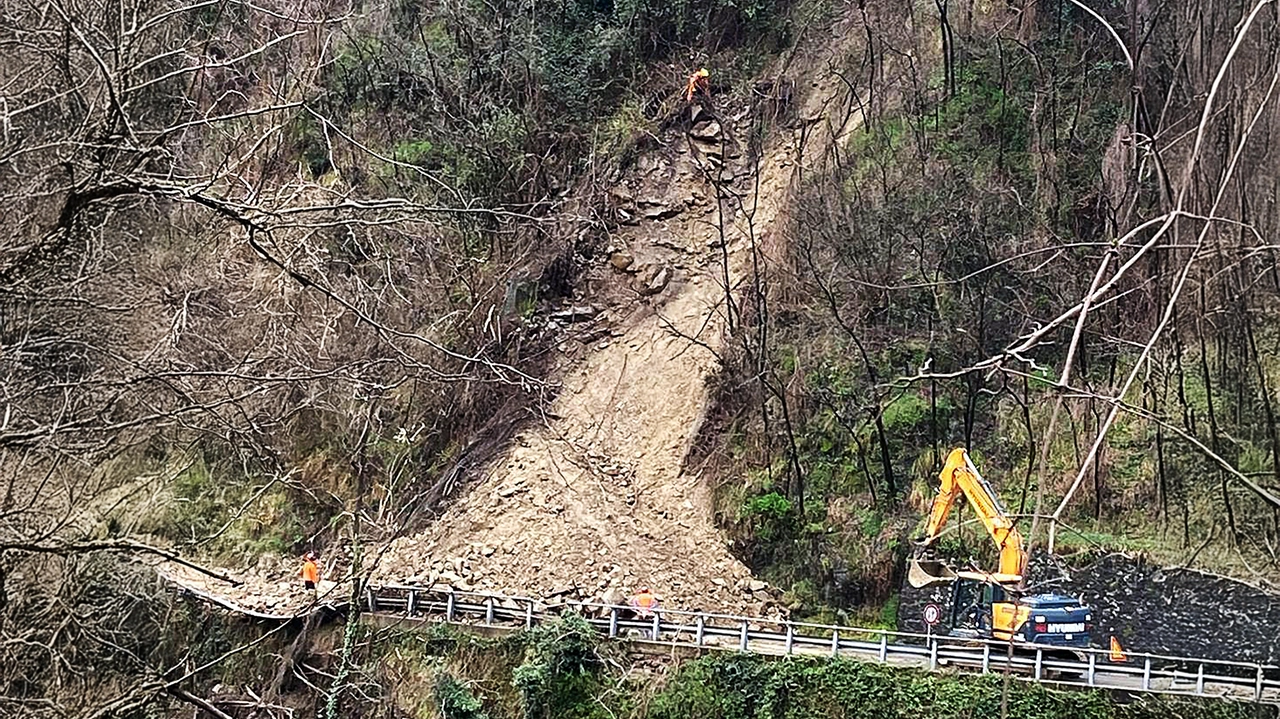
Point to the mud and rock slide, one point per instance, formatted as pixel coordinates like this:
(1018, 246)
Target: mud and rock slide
(594, 502)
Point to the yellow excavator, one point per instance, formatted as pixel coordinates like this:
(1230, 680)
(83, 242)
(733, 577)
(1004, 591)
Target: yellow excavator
(994, 605)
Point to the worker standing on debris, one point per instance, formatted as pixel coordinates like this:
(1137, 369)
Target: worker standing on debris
(644, 603)
(699, 81)
(646, 606)
(310, 572)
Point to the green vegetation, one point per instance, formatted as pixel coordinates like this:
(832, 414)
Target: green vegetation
(456, 700)
(211, 504)
(920, 253)
(555, 670)
(743, 687)
(559, 671)
(445, 89)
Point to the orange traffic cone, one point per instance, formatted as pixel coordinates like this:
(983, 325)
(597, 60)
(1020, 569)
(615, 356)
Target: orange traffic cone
(1117, 652)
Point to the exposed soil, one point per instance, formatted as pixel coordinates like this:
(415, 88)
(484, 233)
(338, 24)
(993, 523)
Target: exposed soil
(594, 503)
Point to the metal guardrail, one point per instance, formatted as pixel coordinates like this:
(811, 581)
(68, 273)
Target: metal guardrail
(1141, 673)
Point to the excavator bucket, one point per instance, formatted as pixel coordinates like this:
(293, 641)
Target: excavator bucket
(928, 572)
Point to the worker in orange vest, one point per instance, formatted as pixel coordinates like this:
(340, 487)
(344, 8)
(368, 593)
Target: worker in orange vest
(700, 80)
(644, 603)
(310, 571)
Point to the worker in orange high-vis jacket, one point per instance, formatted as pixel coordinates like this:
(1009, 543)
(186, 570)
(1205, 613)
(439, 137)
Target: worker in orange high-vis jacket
(645, 603)
(698, 81)
(310, 571)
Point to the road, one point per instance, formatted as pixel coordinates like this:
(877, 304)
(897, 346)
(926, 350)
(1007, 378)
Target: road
(704, 631)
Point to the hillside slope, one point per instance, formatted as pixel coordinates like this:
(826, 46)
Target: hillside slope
(594, 501)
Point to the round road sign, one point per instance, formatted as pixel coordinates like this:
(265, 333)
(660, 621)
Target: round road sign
(932, 614)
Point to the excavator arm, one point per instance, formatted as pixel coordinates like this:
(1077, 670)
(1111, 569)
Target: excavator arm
(959, 476)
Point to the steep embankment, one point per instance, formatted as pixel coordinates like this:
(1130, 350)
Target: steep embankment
(595, 502)
(557, 670)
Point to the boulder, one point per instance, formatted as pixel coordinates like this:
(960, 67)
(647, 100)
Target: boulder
(706, 130)
(576, 313)
(656, 280)
(709, 149)
(655, 210)
(621, 260)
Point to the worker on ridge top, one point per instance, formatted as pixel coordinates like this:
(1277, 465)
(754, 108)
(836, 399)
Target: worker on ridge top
(700, 80)
(310, 572)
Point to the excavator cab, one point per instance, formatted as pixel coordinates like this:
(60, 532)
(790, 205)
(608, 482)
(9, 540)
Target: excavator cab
(977, 607)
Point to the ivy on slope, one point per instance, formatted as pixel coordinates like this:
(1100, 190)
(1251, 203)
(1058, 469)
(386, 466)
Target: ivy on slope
(745, 687)
(560, 670)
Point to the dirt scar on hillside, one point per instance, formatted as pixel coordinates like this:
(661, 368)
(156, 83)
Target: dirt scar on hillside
(593, 504)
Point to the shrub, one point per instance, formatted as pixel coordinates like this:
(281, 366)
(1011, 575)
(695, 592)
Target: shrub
(556, 672)
(769, 515)
(456, 700)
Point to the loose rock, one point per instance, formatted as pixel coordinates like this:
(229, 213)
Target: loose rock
(621, 260)
(657, 281)
(706, 130)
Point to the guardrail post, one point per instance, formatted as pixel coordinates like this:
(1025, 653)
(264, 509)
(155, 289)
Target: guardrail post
(613, 622)
(835, 642)
(1200, 679)
(701, 627)
(743, 643)
(413, 602)
(933, 655)
(528, 615)
(1257, 687)
(791, 637)
(657, 625)
(1146, 675)
(488, 611)
(1039, 661)
(370, 600)
(448, 607)
(986, 658)
(884, 648)
(1093, 667)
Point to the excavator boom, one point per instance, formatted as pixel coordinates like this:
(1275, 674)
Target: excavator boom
(959, 476)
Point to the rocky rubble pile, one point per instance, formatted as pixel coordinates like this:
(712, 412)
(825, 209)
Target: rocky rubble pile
(1180, 612)
(276, 589)
(486, 568)
(589, 532)
(595, 504)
